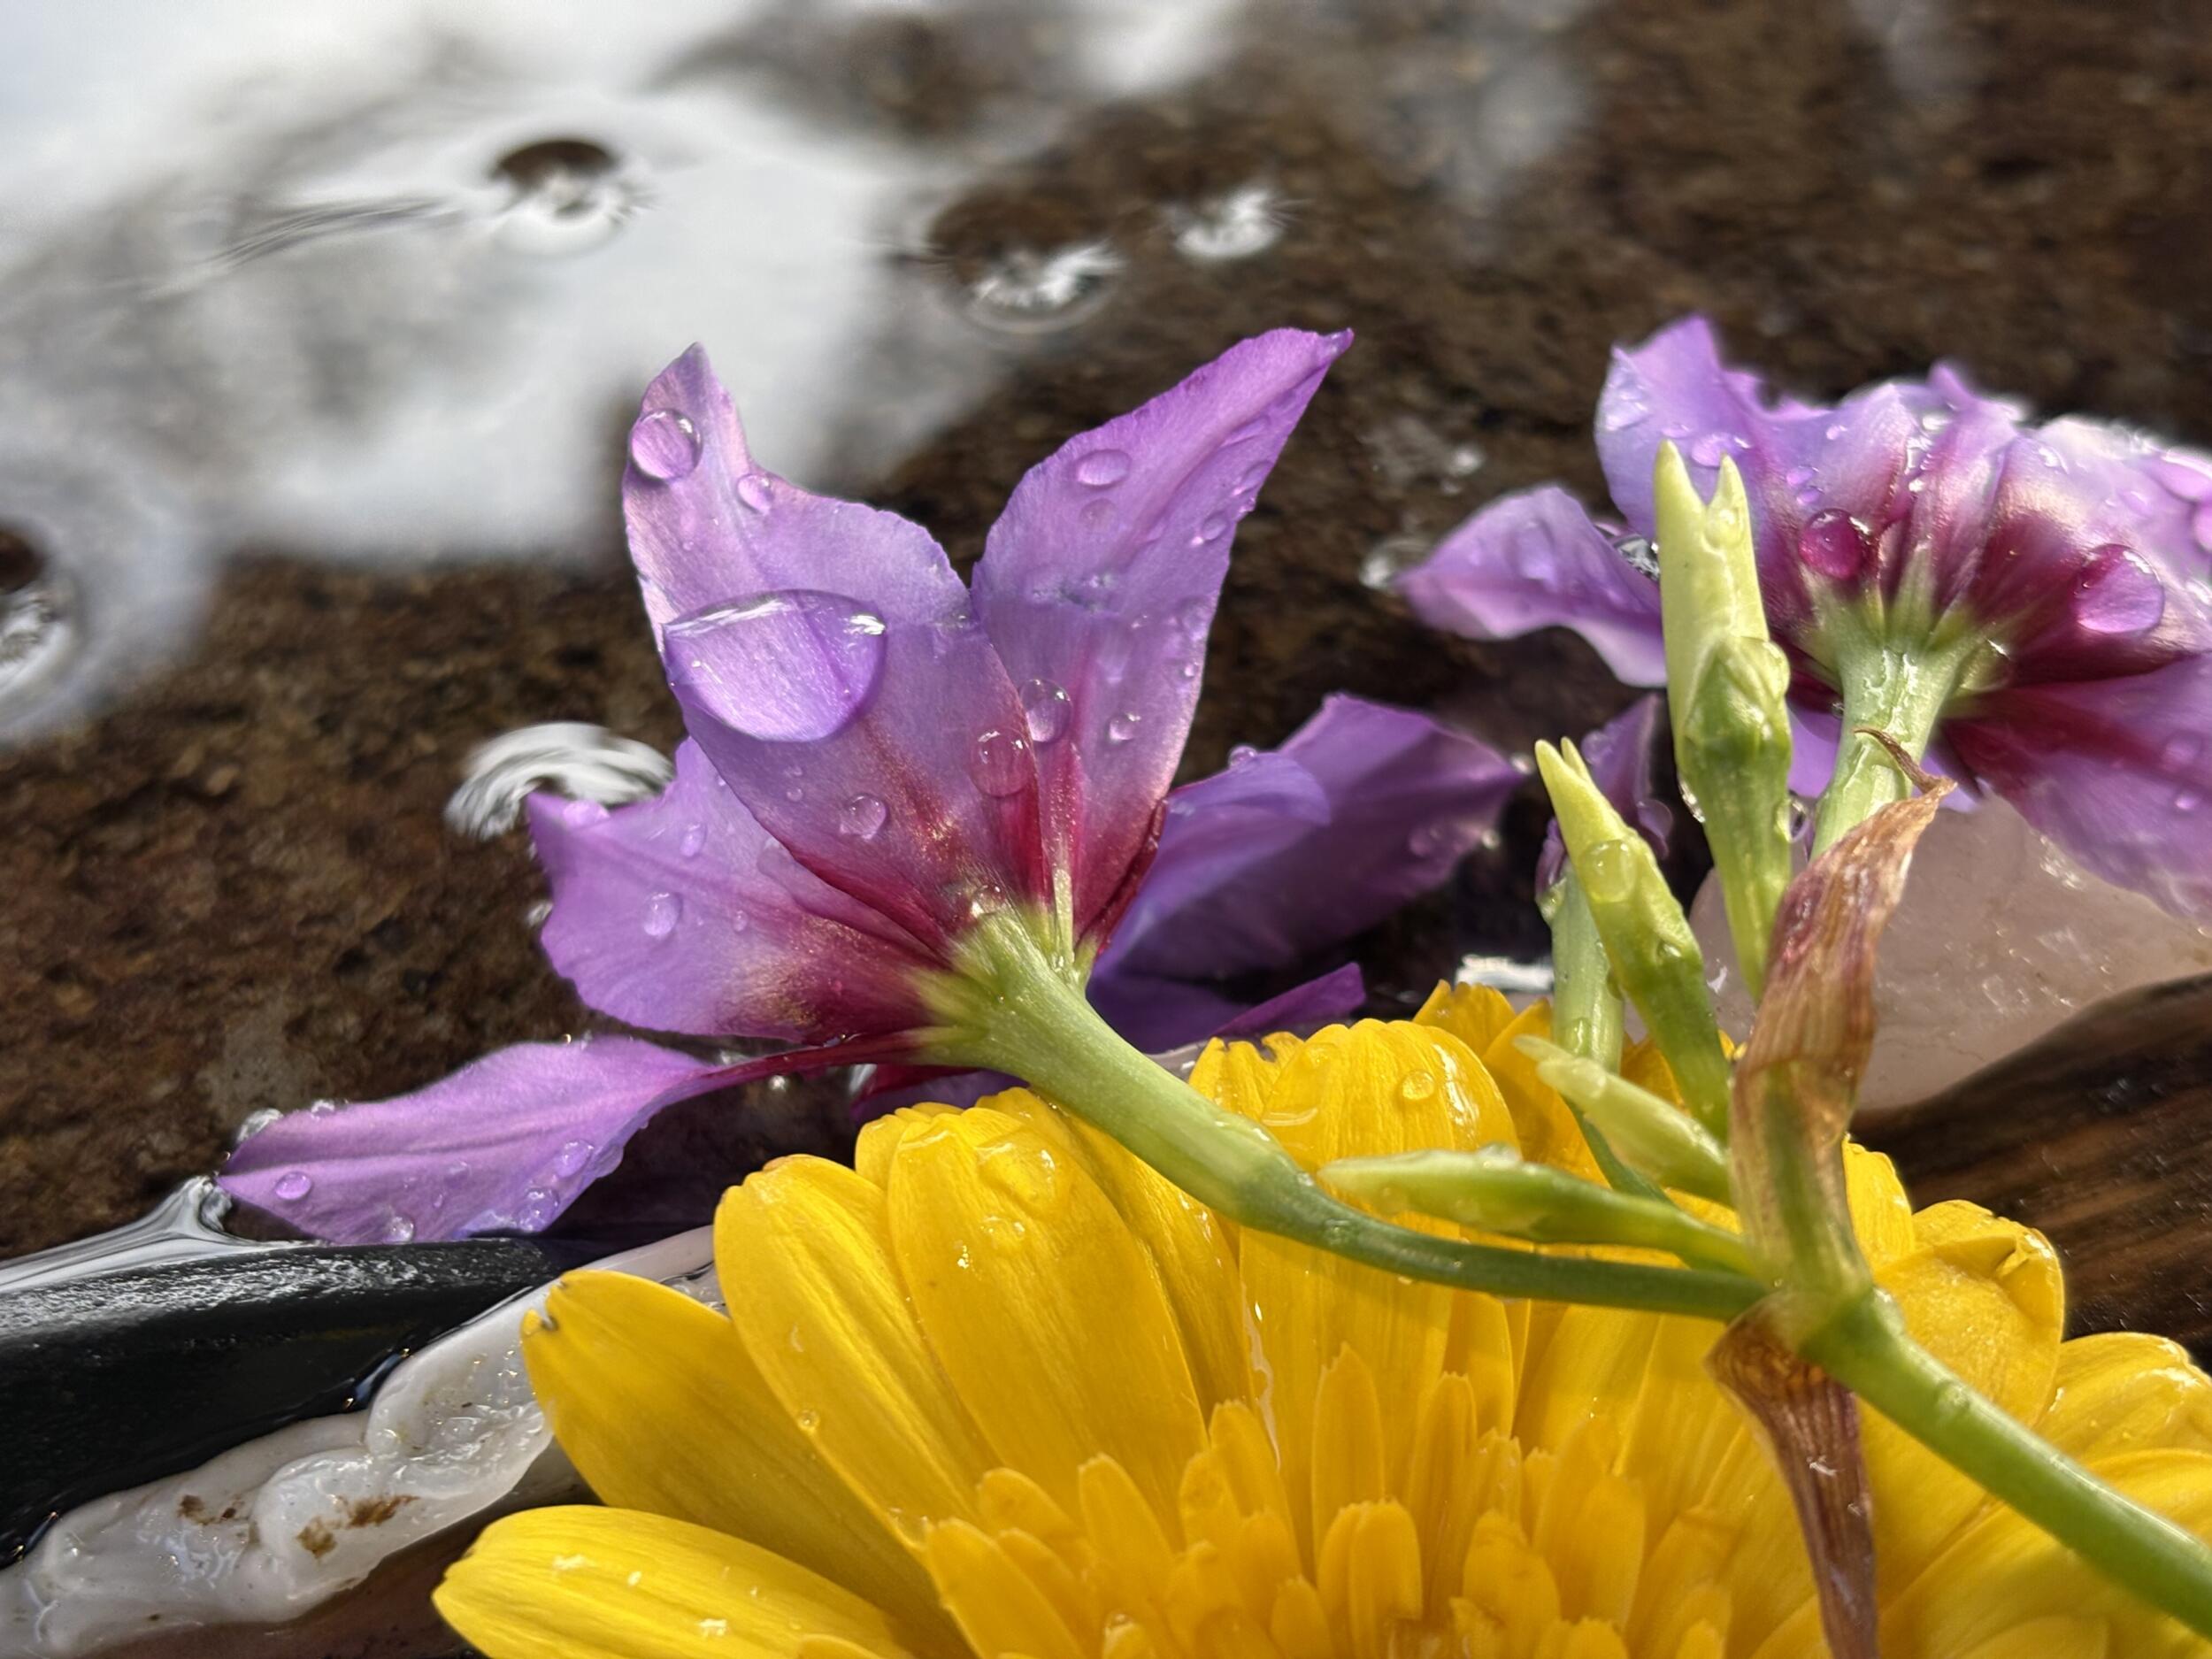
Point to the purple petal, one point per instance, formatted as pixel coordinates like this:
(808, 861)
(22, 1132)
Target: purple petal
(2116, 772)
(890, 756)
(1337, 995)
(506, 1142)
(681, 913)
(1284, 854)
(708, 527)
(1535, 560)
(1098, 587)
(1619, 754)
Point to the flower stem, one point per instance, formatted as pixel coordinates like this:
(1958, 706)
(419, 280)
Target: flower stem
(1899, 691)
(1010, 1011)
(1868, 1349)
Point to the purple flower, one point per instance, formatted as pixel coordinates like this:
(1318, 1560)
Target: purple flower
(878, 757)
(2050, 581)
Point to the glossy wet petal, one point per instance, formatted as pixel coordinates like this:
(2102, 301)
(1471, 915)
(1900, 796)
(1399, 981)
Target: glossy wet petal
(707, 526)
(681, 913)
(889, 755)
(1537, 560)
(2116, 772)
(1098, 585)
(507, 1141)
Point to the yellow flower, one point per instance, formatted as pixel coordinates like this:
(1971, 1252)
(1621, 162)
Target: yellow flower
(1001, 1390)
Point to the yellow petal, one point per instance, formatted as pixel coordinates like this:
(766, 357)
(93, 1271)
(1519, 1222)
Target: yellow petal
(1682, 1430)
(2124, 1392)
(1238, 1076)
(1347, 1440)
(1370, 1576)
(1475, 1014)
(1193, 1250)
(879, 1139)
(1371, 1090)
(1593, 1366)
(804, 1252)
(1040, 1306)
(2003, 1572)
(655, 1400)
(2049, 1639)
(1545, 1124)
(1508, 1598)
(998, 1608)
(582, 1583)
(1880, 1213)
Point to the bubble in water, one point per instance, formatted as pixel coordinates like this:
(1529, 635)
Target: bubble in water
(1123, 726)
(1045, 710)
(39, 626)
(752, 489)
(2118, 593)
(663, 911)
(1834, 544)
(566, 196)
(1102, 467)
(795, 667)
(1245, 221)
(664, 445)
(1024, 290)
(293, 1185)
(1000, 763)
(862, 817)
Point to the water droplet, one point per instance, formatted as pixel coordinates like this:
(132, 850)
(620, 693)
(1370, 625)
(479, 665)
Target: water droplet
(987, 900)
(1254, 476)
(862, 817)
(566, 195)
(794, 794)
(1123, 726)
(1101, 467)
(695, 840)
(573, 1157)
(2188, 801)
(1215, 526)
(1709, 449)
(2117, 592)
(1097, 516)
(785, 667)
(808, 1421)
(1834, 544)
(739, 921)
(1416, 1085)
(1045, 710)
(1113, 651)
(1611, 870)
(583, 814)
(2179, 751)
(399, 1229)
(1835, 432)
(752, 490)
(293, 1185)
(1195, 617)
(1798, 477)
(664, 445)
(663, 911)
(1000, 763)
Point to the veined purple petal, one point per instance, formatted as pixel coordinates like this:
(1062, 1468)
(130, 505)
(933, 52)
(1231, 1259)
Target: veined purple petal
(682, 914)
(707, 526)
(1337, 995)
(2117, 772)
(1098, 583)
(1619, 755)
(890, 756)
(1536, 560)
(1363, 807)
(505, 1143)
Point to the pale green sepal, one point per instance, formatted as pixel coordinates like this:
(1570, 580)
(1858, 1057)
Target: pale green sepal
(1653, 1135)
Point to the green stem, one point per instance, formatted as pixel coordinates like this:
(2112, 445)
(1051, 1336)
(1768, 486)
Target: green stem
(1586, 1008)
(1898, 690)
(1869, 1352)
(1010, 1011)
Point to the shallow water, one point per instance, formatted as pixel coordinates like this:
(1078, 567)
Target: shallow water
(319, 326)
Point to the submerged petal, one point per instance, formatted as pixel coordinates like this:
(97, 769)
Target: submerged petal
(1287, 853)
(507, 1142)
(707, 526)
(681, 913)
(1098, 585)
(2116, 772)
(1536, 560)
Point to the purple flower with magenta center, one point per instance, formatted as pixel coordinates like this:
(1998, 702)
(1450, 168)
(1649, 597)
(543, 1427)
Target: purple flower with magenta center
(899, 797)
(2028, 603)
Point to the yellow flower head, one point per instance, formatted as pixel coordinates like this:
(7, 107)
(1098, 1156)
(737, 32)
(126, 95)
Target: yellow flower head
(1002, 1390)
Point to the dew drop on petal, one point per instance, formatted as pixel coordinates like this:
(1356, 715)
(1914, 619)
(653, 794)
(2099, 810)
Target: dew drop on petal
(1124, 726)
(1611, 871)
(795, 667)
(1834, 544)
(1097, 516)
(663, 444)
(1101, 467)
(1045, 710)
(694, 840)
(752, 489)
(862, 817)
(399, 1229)
(1000, 763)
(1215, 526)
(1416, 1085)
(739, 921)
(1195, 617)
(663, 911)
(1709, 449)
(572, 1157)
(2179, 751)
(2117, 592)
(293, 1185)
(987, 900)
